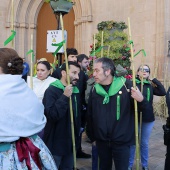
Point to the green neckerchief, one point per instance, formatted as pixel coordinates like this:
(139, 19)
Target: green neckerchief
(116, 85)
(148, 90)
(59, 85)
(144, 81)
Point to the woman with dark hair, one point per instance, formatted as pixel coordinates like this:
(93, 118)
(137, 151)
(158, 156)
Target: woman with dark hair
(22, 117)
(42, 80)
(150, 88)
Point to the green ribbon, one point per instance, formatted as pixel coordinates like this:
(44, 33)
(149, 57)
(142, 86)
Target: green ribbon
(75, 99)
(116, 85)
(148, 90)
(47, 1)
(148, 94)
(128, 48)
(54, 64)
(59, 46)
(142, 50)
(29, 52)
(130, 42)
(59, 85)
(10, 38)
(118, 108)
(144, 81)
(96, 51)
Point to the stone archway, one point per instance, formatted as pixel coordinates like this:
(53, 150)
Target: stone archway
(25, 19)
(25, 23)
(83, 19)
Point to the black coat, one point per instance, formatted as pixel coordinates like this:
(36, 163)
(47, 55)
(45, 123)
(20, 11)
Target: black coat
(168, 100)
(156, 89)
(57, 132)
(102, 123)
(82, 84)
(57, 73)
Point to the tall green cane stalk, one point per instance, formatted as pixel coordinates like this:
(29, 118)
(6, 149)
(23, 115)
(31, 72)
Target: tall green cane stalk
(140, 130)
(70, 101)
(135, 102)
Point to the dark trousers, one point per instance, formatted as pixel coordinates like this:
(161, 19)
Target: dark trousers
(167, 159)
(83, 123)
(64, 162)
(95, 158)
(108, 151)
(79, 148)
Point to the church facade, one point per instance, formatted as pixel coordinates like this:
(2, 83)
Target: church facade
(150, 27)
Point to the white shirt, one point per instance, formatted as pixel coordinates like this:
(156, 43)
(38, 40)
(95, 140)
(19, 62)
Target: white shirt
(39, 86)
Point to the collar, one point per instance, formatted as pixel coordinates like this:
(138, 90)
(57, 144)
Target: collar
(59, 85)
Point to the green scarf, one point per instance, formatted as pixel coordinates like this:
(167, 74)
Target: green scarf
(116, 85)
(144, 81)
(59, 85)
(148, 90)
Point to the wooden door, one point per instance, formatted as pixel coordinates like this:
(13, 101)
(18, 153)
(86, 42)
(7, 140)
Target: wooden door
(47, 21)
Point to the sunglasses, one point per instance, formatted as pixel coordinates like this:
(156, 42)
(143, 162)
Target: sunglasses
(144, 70)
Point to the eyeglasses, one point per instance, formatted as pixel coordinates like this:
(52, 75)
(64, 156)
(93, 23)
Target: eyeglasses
(144, 70)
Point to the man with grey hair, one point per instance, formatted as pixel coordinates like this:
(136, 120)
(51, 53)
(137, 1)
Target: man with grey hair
(111, 115)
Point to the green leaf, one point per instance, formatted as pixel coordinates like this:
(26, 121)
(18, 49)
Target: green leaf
(47, 1)
(10, 38)
(59, 45)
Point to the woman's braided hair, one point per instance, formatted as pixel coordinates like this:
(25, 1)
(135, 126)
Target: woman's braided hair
(10, 62)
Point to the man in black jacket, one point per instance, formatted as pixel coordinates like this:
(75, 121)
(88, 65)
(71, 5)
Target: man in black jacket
(71, 56)
(111, 115)
(57, 132)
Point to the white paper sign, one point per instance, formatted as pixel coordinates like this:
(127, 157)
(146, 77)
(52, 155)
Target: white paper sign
(55, 37)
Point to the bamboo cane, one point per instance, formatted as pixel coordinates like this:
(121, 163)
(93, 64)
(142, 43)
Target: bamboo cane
(31, 69)
(54, 62)
(142, 61)
(156, 69)
(108, 50)
(102, 45)
(12, 19)
(68, 81)
(94, 46)
(135, 102)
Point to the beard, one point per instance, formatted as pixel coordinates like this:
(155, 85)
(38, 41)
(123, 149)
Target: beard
(74, 82)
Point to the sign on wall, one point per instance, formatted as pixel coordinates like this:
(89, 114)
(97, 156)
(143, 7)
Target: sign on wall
(55, 37)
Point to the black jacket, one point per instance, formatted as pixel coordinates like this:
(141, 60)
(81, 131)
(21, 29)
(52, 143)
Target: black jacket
(168, 100)
(57, 73)
(57, 132)
(82, 84)
(102, 121)
(148, 91)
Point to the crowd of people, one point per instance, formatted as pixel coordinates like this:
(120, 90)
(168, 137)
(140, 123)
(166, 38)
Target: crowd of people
(35, 124)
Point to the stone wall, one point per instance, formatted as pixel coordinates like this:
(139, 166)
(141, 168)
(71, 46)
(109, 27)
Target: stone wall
(150, 25)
